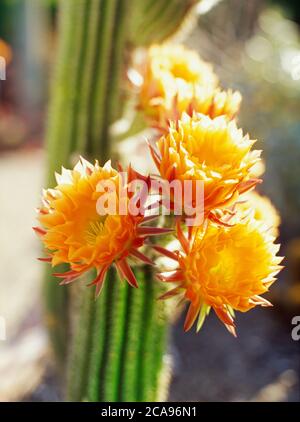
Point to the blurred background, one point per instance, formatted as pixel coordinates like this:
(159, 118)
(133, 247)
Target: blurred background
(255, 47)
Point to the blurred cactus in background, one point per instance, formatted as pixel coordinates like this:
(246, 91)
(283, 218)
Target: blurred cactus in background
(114, 346)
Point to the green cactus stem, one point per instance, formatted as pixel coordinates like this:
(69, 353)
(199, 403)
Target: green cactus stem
(86, 90)
(118, 343)
(156, 20)
(113, 346)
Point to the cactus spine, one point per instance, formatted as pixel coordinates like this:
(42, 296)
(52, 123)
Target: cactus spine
(114, 345)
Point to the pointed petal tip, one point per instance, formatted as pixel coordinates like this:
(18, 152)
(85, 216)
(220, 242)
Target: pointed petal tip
(231, 330)
(169, 294)
(165, 252)
(126, 271)
(45, 259)
(141, 257)
(39, 231)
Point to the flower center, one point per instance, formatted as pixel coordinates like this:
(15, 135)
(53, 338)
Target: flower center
(94, 229)
(182, 72)
(225, 269)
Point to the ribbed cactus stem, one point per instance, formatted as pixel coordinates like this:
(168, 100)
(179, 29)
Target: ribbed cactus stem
(114, 345)
(86, 89)
(86, 86)
(118, 342)
(156, 20)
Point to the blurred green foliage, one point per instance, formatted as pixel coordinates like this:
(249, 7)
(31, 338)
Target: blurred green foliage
(10, 11)
(292, 7)
(271, 76)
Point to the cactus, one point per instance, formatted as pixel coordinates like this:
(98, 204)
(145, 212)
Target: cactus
(115, 345)
(86, 86)
(154, 21)
(118, 343)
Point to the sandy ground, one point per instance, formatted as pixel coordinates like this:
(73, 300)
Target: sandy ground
(20, 185)
(261, 364)
(23, 352)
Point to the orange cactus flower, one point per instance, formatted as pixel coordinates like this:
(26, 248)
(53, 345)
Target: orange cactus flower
(213, 151)
(5, 51)
(74, 232)
(179, 62)
(259, 168)
(262, 209)
(179, 98)
(223, 268)
(176, 80)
